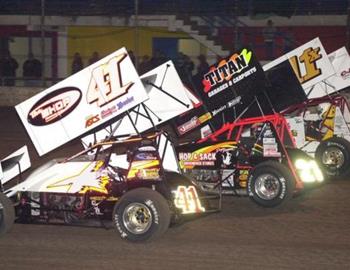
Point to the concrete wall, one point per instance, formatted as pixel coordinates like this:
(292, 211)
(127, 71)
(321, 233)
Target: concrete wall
(11, 96)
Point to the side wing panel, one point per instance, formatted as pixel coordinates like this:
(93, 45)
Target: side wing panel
(14, 164)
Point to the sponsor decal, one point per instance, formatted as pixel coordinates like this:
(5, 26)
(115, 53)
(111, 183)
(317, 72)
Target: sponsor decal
(229, 104)
(345, 74)
(119, 227)
(92, 120)
(205, 117)
(206, 156)
(148, 174)
(109, 111)
(226, 70)
(121, 104)
(197, 156)
(284, 188)
(193, 123)
(104, 198)
(151, 205)
(137, 167)
(243, 177)
(145, 156)
(54, 106)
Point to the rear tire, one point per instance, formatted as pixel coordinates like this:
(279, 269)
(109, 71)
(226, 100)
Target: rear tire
(7, 214)
(333, 156)
(141, 214)
(270, 183)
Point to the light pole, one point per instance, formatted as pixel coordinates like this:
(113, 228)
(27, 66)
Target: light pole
(348, 27)
(42, 35)
(136, 29)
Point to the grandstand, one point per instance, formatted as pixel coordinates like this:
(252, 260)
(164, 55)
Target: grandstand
(54, 30)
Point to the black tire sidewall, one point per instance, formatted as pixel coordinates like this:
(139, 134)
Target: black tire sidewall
(281, 173)
(157, 206)
(344, 146)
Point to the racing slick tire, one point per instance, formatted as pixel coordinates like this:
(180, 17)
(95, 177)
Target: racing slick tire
(333, 156)
(141, 214)
(270, 183)
(7, 214)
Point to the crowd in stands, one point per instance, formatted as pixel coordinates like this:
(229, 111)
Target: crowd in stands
(32, 70)
(32, 67)
(183, 63)
(8, 67)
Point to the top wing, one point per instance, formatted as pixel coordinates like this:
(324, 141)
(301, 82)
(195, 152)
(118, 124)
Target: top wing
(310, 64)
(82, 102)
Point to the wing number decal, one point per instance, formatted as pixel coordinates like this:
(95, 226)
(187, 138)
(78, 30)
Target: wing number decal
(106, 83)
(307, 61)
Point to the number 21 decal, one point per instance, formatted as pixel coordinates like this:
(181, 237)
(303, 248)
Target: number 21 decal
(309, 59)
(106, 82)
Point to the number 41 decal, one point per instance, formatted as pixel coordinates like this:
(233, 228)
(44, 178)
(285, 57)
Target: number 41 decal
(186, 198)
(309, 59)
(106, 82)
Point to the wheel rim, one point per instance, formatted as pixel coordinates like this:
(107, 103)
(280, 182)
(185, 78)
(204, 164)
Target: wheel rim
(267, 186)
(333, 157)
(137, 218)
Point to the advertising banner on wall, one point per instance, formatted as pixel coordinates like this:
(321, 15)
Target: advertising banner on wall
(310, 64)
(82, 102)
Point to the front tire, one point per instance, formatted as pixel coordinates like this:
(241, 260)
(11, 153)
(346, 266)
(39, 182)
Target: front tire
(7, 214)
(270, 183)
(141, 214)
(333, 156)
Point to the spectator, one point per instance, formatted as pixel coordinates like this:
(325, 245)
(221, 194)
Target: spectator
(77, 63)
(8, 67)
(189, 66)
(157, 59)
(289, 40)
(184, 67)
(94, 58)
(145, 64)
(32, 71)
(180, 64)
(203, 66)
(269, 33)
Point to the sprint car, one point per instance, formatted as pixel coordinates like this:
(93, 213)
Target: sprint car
(253, 156)
(321, 128)
(128, 186)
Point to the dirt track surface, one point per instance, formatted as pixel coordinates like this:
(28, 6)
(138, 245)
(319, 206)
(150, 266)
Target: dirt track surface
(311, 231)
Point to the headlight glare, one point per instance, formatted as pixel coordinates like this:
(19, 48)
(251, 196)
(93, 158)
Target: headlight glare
(308, 171)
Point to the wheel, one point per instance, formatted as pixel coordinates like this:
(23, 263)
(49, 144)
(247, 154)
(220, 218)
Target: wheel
(333, 156)
(141, 214)
(270, 183)
(7, 214)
